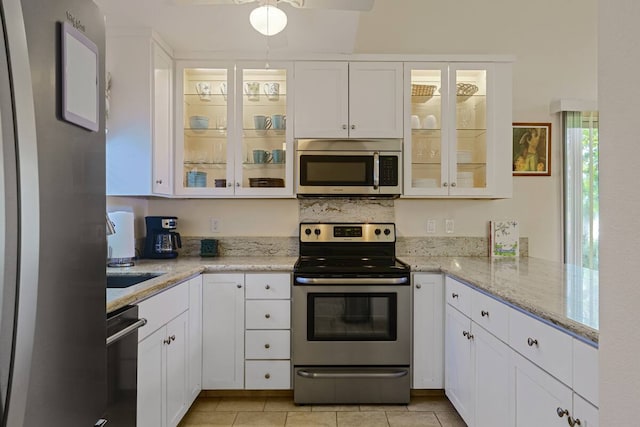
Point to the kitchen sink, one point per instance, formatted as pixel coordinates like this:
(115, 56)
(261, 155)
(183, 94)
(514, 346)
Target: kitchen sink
(124, 280)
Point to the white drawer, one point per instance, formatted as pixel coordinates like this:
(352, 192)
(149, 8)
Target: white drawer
(585, 371)
(458, 295)
(267, 344)
(268, 286)
(267, 374)
(491, 314)
(268, 314)
(542, 344)
(162, 307)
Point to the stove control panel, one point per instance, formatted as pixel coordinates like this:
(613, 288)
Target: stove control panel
(348, 232)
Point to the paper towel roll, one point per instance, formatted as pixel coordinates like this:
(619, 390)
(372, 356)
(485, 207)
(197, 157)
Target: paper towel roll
(122, 243)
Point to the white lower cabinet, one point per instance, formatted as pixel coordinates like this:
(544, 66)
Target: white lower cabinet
(246, 331)
(492, 380)
(223, 331)
(428, 331)
(458, 368)
(194, 380)
(268, 331)
(540, 399)
(168, 347)
(504, 368)
(162, 369)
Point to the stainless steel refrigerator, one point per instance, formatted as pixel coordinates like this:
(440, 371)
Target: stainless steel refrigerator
(52, 219)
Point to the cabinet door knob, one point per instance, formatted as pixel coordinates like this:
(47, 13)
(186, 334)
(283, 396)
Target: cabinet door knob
(453, 184)
(574, 421)
(465, 333)
(237, 184)
(267, 287)
(418, 286)
(344, 126)
(267, 346)
(267, 375)
(444, 184)
(532, 342)
(239, 286)
(353, 127)
(454, 295)
(484, 313)
(562, 412)
(230, 184)
(267, 315)
(158, 181)
(172, 337)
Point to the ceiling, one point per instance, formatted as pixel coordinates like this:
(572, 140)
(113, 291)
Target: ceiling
(226, 28)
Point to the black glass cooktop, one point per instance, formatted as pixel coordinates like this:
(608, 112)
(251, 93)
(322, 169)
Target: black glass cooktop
(350, 264)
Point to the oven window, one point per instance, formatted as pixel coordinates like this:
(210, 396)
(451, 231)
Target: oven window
(336, 170)
(352, 316)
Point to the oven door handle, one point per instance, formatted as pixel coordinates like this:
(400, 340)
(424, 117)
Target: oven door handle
(352, 281)
(391, 373)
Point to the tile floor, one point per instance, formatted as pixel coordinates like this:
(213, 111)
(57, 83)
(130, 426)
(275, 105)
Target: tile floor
(427, 411)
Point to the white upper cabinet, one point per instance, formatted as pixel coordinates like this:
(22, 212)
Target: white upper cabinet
(140, 120)
(232, 138)
(348, 99)
(458, 127)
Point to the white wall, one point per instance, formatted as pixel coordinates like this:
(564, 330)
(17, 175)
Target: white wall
(555, 45)
(619, 92)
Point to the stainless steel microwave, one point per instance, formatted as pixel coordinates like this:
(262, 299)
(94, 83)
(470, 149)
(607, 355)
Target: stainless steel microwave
(349, 167)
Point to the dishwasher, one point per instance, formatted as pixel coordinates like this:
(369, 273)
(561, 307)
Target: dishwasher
(122, 366)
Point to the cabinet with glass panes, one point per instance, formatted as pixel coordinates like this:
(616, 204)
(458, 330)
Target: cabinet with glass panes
(458, 138)
(234, 140)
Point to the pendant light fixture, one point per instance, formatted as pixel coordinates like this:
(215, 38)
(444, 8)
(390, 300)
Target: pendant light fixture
(267, 19)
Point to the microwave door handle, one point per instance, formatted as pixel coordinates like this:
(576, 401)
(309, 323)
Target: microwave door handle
(376, 170)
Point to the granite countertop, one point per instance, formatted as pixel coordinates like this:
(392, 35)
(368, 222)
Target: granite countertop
(561, 294)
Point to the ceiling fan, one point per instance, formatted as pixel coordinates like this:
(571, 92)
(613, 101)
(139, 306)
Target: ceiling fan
(355, 5)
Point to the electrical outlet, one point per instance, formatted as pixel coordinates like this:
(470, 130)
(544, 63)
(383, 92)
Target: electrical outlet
(431, 226)
(448, 226)
(214, 225)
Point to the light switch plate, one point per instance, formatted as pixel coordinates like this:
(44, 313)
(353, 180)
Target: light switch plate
(431, 226)
(214, 225)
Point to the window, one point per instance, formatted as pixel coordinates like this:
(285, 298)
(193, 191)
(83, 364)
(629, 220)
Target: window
(581, 200)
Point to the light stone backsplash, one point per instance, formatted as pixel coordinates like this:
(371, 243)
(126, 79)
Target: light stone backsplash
(405, 246)
(344, 210)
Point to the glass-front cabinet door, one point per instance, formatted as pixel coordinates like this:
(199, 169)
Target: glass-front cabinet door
(470, 152)
(450, 120)
(204, 151)
(264, 155)
(426, 137)
(232, 139)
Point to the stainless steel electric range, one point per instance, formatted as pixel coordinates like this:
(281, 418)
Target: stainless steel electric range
(351, 316)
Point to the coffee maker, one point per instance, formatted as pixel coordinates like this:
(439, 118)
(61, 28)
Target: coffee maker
(162, 240)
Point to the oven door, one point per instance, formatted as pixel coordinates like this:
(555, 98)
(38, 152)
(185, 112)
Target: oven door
(352, 324)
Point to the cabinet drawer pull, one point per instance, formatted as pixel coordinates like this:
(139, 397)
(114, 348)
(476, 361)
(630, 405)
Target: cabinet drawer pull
(267, 287)
(484, 313)
(267, 375)
(158, 181)
(562, 412)
(267, 315)
(454, 295)
(532, 342)
(267, 346)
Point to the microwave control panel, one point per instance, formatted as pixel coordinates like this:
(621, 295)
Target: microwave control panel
(388, 171)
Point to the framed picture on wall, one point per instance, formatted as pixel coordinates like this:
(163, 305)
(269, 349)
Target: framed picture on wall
(531, 149)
